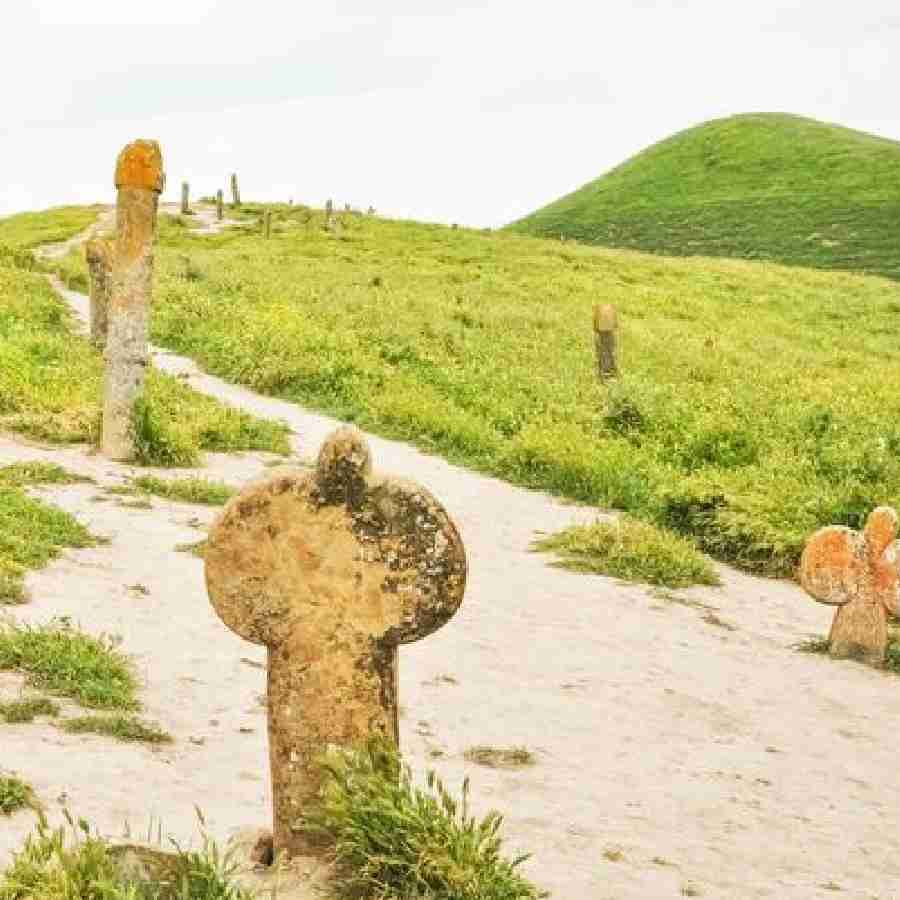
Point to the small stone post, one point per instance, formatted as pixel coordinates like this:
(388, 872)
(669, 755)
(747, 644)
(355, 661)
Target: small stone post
(185, 198)
(220, 212)
(98, 254)
(267, 223)
(605, 338)
(329, 215)
(331, 570)
(139, 180)
(235, 192)
(857, 573)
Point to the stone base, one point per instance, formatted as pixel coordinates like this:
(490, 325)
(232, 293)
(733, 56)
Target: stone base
(300, 878)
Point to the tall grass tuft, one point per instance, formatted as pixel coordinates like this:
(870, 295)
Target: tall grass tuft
(395, 841)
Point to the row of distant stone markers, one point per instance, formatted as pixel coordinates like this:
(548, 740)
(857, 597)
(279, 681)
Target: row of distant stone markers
(332, 569)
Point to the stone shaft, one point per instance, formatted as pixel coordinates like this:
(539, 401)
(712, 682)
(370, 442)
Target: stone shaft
(605, 335)
(185, 198)
(331, 570)
(235, 191)
(139, 180)
(98, 254)
(267, 223)
(220, 212)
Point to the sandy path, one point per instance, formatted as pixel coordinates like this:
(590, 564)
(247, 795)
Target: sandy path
(709, 756)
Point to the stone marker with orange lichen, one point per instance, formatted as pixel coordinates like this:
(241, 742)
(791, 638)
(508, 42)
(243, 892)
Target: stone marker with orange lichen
(859, 574)
(331, 570)
(98, 254)
(139, 180)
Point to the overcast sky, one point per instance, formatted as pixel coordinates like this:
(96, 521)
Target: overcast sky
(444, 111)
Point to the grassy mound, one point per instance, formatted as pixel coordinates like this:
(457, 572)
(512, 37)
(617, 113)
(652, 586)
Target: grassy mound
(758, 402)
(764, 186)
(632, 551)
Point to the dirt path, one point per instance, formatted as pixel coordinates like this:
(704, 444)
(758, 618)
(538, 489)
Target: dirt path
(700, 747)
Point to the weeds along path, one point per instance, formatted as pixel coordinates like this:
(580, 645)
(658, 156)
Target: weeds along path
(679, 742)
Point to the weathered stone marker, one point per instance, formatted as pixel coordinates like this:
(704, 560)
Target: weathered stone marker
(329, 215)
(235, 192)
(859, 574)
(139, 180)
(185, 198)
(98, 254)
(331, 570)
(267, 223)
(220, 212)
(605, 338)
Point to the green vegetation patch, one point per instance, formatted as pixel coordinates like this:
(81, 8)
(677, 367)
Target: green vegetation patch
(761, 186)
(15, 794)
(31, 534)
(395, 841)
(53, 865)
(50, 226)
(500, 757)
(121, 727)
(62, 660)
(187, 490)
(51, 387)
(633, 551)
(37, 472)
(17, 712)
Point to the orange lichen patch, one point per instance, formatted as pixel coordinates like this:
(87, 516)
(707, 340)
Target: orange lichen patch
(832, 564)
(140, 165)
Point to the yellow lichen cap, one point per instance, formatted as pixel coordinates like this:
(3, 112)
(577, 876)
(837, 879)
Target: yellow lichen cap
(140, 165)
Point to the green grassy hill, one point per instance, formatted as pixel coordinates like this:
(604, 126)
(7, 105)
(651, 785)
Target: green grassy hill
(758, 402)
(762, 186)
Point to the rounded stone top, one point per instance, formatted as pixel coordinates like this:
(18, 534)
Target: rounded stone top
(140, 165)
(301, 555)
(97, 250)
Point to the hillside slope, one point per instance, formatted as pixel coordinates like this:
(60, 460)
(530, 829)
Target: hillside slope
(760, 186)
(478, 347)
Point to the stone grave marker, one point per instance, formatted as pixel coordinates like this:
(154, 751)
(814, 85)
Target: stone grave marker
(139, 180)
(331, 569)
(857, 573)
(98, 254)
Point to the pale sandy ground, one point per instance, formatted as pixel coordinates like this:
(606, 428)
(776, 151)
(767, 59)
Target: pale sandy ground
(716, 759)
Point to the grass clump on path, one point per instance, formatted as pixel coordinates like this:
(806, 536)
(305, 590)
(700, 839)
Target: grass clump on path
(186, 490)
(18, 712)
(633, 551)
(396, 841)
(31, 534)
(62, 660)
(121, 727)
(85, 866)
(891, 656)
(760, 186)
(51, 388)
(15, 794)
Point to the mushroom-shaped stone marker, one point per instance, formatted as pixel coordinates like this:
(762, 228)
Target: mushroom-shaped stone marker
(859, 574)
(331, 569)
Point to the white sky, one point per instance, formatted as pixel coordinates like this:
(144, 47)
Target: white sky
(445, 111)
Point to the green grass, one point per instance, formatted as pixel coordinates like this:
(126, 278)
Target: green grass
(121, 727)
(84, 866)
(50, 226)
(633, 551)
(757, 402)
(760, 186)
(397, 841)
(51, 388)
(15, 794)
(186, 490)
(67, 662)
(32, 533)
(17, 712)
(500, 757)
